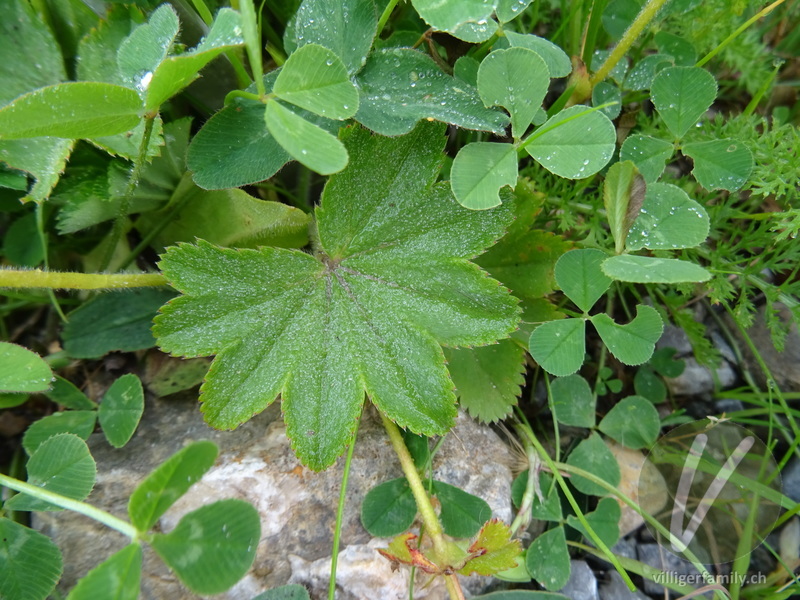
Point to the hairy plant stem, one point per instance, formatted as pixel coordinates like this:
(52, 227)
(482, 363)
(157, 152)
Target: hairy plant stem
(337, 532)
(641, 21)
(77, 506)
(37, 278)
(133, 181)
(432, 526)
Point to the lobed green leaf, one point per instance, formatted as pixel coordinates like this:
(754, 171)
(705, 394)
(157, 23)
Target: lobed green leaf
(682, 95)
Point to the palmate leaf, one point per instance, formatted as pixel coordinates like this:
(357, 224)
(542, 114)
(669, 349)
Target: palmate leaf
(390, 280)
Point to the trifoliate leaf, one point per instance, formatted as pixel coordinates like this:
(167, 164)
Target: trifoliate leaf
(479, 171)
(557, 61)
(30, 563)
(579, 275)
(649, 154)
(559, 346)
(593, 456)
(720, 164)
(633, 343)
(315, 78)
(633, 422)
(604, 521)
(345, 26)
(668, 219)
(493, 549)
(681, 95)
(390, 280)
(516, 79)
(548, 559)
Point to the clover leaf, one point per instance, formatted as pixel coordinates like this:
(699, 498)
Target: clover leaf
(389, 280)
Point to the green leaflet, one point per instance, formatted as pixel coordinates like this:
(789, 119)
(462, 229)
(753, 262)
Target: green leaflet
(389, 282)
(30, 564)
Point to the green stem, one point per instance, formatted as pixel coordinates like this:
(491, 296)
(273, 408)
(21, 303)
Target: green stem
(756, 99)
(37, 278)
(432, 526)
(340, 517)
(45, 260)
(74, 505)
(252, 39)
(133, 181)
(760, 14)
(387, 12)
(644, 17)
(525, 430)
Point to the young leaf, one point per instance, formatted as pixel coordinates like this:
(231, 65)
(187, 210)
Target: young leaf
(71, 110)
(649, 154)
(309, 144)
(578, 274)
(516, 79)
(593, 455)
(176, 72)
(668, 219)
(632, 344)
(557, 61)
(314, 78)
(493, 549)
(30, 563)
(720, 164)
(347, 27)
(399, 86)
(116, 321)
(479, 170)
(682, 95)
(213, 546)
(168, 482)
(117, 577)
(62, 464)
(633, 422)
(604, 521)
(574, 143)
(559, 346)
(77, 422)
(121, 409)
(462, 513)
(389, 508)
(466, 19)
(234, 148)
(623, 195)
(573, 401)
(22, 370)
(649, 269)
(548, 559)
(487, 379)
(402, 549)
(390, 282)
